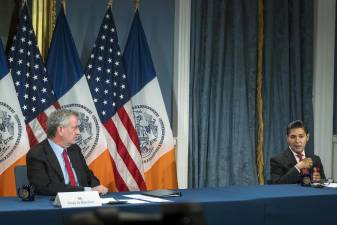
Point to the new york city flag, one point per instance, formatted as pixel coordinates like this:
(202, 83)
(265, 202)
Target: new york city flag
(152, 123)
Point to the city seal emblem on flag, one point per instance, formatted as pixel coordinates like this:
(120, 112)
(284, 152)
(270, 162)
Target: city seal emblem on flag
(150, 129)
(10, 131)
(88, 126)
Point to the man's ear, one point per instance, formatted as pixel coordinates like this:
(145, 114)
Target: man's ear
(60, 130)
(308, 137)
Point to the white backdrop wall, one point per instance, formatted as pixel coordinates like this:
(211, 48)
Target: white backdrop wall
(324, 48)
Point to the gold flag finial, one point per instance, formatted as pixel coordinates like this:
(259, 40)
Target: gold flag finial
(110, 3)
(137, 2)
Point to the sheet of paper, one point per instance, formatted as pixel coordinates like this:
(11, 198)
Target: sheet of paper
(106, 200)
(330, 185)
(134, 201)
(146, 198)
(128, 200)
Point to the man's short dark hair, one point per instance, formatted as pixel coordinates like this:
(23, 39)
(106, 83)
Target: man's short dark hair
(296, 124)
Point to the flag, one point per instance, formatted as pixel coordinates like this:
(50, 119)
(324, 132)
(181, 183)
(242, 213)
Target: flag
(13, 137)
(152, 123)
(36, 99)
(107, 81)
(72, 91)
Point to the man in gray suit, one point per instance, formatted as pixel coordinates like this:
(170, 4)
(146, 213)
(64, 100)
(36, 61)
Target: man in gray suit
(57, 164)
(287, 167)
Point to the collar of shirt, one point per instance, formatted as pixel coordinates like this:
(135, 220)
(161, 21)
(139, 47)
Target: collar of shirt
(295, 154)
(56, 148)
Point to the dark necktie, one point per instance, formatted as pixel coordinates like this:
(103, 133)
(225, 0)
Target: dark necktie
(68, 167)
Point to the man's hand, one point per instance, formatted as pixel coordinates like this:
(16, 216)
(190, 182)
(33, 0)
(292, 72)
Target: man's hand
(304, 164)
(101, 189)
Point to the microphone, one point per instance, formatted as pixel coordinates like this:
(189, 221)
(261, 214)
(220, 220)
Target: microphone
(26, 193)
(306, 178)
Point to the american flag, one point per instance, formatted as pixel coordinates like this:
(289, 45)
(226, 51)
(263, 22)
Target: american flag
(34, 92)
(108, 85)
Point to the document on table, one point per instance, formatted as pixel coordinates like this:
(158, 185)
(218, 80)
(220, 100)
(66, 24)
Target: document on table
(146, 198)
(330, 185)
(121, 201)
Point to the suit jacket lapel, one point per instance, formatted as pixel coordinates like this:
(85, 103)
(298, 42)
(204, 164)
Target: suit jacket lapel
(52, 159)
(291, 158)
(309, 155)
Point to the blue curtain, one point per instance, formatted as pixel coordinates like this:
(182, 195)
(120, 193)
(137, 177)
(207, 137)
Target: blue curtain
(222, 138)
(288, 72)
(223, 125)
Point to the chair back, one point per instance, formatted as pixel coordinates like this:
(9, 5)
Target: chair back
(21, 178)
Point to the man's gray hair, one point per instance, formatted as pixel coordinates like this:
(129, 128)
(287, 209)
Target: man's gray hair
(58, 118)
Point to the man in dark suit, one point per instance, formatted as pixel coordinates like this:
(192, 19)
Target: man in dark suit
(287, 167)
(57, 164)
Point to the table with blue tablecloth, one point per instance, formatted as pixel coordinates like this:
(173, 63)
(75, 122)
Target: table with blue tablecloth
(267, 204)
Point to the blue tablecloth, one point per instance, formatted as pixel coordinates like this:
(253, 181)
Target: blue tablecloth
(269, 204)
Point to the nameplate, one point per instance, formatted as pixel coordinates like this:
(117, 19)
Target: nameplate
(77, 199)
